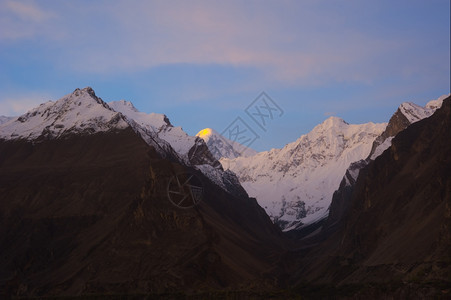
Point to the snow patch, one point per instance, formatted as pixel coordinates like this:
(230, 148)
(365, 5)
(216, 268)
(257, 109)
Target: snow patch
(381, 148)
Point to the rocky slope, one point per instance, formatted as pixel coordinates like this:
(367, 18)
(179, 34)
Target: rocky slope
(84, 210)
(295, 184)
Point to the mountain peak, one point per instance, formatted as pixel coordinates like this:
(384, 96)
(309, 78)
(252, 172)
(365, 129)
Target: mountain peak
(88, 90)
(205, 133)
(437, 103)
(127, 104)
(80, 111)
(333, 121)
(330, 124)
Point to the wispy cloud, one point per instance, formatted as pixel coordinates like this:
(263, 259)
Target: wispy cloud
(19, 104)
(25, 19)
(288, 41)
(28, 11)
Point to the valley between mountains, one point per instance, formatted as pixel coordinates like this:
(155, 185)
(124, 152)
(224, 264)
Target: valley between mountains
(351, 210)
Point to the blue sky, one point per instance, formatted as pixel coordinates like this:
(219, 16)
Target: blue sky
(203, 62)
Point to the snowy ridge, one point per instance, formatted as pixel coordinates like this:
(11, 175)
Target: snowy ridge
(152, 120)
(407, 113)
(222, 147)
(295, 184)
(414, 112)
(159, 124)
(437, 103)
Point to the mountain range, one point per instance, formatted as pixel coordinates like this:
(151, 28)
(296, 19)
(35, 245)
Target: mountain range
(295, 184)
(86, 209)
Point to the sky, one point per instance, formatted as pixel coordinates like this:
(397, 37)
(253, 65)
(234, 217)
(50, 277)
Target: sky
(205, 63)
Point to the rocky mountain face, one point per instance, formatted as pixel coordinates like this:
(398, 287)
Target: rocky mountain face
(85, 210)
(295, 184)
(407, 114)
(395, 232)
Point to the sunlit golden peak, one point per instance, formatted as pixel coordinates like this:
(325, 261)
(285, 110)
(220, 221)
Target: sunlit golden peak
(204, 133)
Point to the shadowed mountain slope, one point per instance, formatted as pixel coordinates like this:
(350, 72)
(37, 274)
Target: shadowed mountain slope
(89, 214)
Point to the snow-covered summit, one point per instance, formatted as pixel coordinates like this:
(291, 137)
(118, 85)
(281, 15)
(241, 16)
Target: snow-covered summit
(333, 122)
(295, 184)
(79, 112)
(206, 134)
(222, 147)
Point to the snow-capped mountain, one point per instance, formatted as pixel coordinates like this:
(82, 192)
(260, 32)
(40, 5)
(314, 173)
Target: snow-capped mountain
(222, 147)
(82, 112)
(79, 112)
(295, 184)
